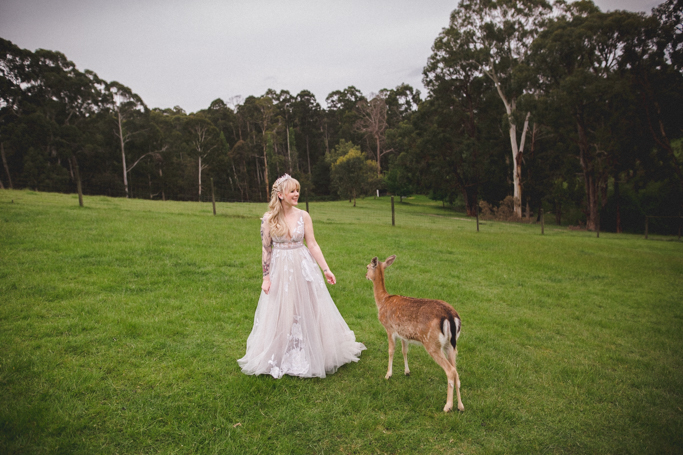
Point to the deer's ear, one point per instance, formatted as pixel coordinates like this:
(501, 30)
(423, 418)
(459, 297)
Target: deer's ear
(374, 262)
(390, 260)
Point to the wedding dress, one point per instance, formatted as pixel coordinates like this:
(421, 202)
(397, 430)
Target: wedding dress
(298, 329)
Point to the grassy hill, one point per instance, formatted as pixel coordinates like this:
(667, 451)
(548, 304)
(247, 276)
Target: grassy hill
(121, 323)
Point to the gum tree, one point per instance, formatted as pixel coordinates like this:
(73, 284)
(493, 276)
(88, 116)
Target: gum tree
(497, 35)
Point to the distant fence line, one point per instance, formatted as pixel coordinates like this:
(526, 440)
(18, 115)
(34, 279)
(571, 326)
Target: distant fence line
(212, 196)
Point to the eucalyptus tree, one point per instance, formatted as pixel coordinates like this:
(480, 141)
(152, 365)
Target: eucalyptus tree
(373, 122)
(309, 122)
(652, 60)
(461, 111)
(16, 76)
(402, 102)
(341, 117)
(577, 58)
(127, 108)
(497, 35)
(204, 140)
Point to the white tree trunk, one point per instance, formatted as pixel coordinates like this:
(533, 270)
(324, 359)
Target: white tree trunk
(123, 155)
(517, 150)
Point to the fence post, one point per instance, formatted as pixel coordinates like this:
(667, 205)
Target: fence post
(78, 180)
(307, 201)
(646, 220)
(213, 197)
(393, 219)
(476, 210)
(542, 222)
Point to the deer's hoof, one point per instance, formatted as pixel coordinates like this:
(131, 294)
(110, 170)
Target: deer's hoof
(461, 408)
(387, 376)
(448, 408)
(407, 373)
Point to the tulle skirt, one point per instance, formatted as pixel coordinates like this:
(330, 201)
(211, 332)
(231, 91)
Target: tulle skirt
(298, 329)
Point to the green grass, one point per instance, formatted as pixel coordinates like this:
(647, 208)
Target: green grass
(121, 323)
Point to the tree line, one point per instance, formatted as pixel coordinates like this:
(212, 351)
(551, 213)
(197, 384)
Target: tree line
(549, 104)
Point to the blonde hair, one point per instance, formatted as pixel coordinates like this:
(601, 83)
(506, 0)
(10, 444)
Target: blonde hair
(276, 218)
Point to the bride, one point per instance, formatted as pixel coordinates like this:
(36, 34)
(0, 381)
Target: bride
(297, 330)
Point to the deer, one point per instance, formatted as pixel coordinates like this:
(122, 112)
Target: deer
(433, 323)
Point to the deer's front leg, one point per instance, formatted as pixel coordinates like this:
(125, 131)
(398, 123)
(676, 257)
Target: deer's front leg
(392, 346)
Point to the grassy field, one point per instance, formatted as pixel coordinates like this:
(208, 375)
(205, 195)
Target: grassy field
(121, 323)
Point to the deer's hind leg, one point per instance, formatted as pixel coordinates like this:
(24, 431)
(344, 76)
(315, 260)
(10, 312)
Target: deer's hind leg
(438, 355)
(404, 349)
(452, 354)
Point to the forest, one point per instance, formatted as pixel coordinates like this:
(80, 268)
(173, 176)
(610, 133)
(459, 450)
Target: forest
(530, 105)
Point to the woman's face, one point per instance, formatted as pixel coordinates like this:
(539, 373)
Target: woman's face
(290, 196)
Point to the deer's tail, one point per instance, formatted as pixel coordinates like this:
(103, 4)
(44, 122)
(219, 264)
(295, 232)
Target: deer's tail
(451, 326)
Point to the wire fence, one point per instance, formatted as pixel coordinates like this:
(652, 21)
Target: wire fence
(380, 210)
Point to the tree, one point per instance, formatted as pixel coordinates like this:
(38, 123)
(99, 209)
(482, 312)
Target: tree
(127, 106)
(308, 120)
(458, 123)
(352, 174)
(497, 35)
(341, 117)
(373, 122)
(267, 111)
(204, 140)
(399, 178)
(577, 57)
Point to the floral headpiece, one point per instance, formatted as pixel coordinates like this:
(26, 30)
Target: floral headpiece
(280, 181)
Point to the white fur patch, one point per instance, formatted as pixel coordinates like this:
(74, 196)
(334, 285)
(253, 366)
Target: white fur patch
(445, 335)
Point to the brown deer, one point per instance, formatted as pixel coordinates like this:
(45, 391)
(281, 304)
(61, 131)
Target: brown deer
(434, 323)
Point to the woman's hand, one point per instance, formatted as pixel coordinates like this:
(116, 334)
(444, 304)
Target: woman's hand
(330, 277)
(266, 284)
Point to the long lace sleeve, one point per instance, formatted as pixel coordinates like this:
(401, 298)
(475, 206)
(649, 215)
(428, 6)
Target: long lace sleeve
(266, 247)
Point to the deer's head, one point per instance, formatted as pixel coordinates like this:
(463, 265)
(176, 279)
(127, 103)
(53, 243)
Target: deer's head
(375, 264)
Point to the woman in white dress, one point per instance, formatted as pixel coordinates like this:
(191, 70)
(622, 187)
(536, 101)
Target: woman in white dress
(297, 330)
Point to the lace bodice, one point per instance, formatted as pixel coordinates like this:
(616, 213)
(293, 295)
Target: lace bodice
(297, 239)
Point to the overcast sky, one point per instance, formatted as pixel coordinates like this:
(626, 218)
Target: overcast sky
(188, 53)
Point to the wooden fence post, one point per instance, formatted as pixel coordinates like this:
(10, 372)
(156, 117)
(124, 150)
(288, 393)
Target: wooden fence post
(393, 219)
(213, 197)
(476, 210)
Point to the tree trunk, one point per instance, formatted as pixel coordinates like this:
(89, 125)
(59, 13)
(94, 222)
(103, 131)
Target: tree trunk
(308, 155)
(265, 172)
(588, 178)
(123, 155)
(517, 151)
(470, 195)
(289, 152)
(161, 175)
(4, 163)
(354, 197)
(379, 168)
(617, 198)
(78, 180)
(200, 178)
